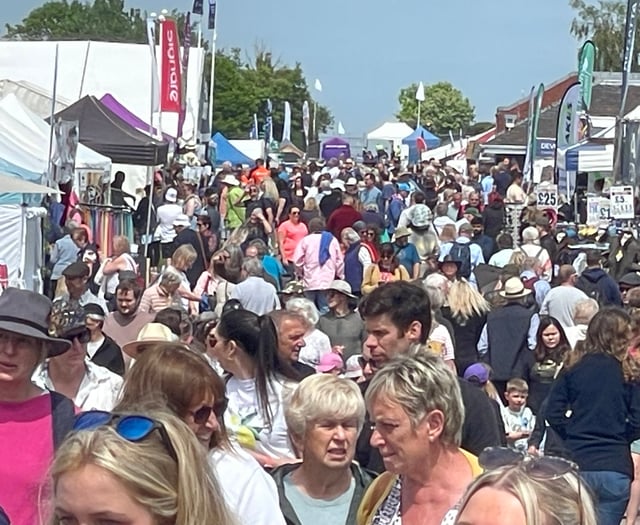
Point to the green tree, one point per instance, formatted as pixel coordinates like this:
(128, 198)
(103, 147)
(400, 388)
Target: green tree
(242, 88)
(604, 24)
(444, 108)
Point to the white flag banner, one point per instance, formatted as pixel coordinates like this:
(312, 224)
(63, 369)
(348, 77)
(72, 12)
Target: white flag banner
(318, 85)
(305, 121)
(340, 129)
(420, 92)
(155, 77)
(286, 128)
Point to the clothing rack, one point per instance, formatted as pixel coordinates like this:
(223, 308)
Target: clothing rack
(106, 222)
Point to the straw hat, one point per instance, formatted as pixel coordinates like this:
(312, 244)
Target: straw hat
(151, 334)
(514, 289)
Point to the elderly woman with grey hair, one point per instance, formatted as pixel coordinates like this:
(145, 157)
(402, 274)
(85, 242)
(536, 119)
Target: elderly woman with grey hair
(324, 417)
(357, 258)
(416, 408)
(531, 248)
(316, 342)
(164, 293)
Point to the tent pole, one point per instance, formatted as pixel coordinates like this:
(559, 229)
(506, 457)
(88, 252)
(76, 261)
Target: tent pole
(84, 69)
(53, 112)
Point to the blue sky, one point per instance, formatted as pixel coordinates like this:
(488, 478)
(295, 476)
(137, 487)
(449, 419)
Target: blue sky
(365, 51)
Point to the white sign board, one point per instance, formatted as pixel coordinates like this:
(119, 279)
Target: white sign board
(597, 210)
(547, 196)
(622, 202)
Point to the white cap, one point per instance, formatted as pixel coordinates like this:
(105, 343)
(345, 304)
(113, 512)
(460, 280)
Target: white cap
(171, 195)
(182, 220)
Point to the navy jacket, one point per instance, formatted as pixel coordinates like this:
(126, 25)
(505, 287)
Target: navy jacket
(608, 291)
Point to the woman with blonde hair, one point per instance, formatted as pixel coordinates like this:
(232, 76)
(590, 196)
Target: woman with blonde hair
(120, 261)
(195, 393)
(528, 491)
(310, 211)
(134, 468)
(448, 234)
(182, 259)
(270, 190)
(467, 311)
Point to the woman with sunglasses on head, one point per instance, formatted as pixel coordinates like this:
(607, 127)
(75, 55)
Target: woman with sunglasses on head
(246, 347)
(597, 413)
(73, 374)
(530, 491)
(33, 421)
(193, 391)
(135, 469)
(388, 269)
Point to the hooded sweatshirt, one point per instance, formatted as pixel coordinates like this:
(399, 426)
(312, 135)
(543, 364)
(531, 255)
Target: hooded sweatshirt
(599, 285)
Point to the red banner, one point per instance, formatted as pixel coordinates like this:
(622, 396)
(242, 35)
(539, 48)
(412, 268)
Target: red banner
(171, 89)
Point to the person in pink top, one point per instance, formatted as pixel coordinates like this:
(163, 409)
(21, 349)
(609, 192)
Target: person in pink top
(32, 421)
(290, 233)
(318, 261)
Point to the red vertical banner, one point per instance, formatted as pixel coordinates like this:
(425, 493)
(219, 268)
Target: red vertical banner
(171, 88)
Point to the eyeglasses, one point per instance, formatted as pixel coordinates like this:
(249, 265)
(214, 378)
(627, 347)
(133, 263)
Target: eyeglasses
(295, 213)
(371, 234)
(540, 468)
(202, 415)
(83, 337)
(133, 428)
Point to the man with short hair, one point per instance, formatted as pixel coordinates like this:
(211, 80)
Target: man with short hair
(343, 217)
(371, 194)
(597, 283)
(124, 324)
(531, 277)
(398, 319)
(254, 293)
(292, 327)
(561, 300)
(76, 277)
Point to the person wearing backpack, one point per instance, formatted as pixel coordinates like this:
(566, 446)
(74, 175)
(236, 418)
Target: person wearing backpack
(34, 421)
(597, 283)
(463, 251)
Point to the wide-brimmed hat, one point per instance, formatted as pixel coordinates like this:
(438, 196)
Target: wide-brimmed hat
(27, 313)
(514, 289)
(182, 220)
(342, 287)
(353, 368)
(151, 334)
(449, 259)
(231, 180)
(402, 231)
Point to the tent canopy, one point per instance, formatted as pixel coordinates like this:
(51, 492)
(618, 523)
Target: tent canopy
(226, 152)
(11, 184)
(591, 155)
(334, 147)
(289, 147)
(105, 132)
(392, 131)
(112, 103)
(431, 140)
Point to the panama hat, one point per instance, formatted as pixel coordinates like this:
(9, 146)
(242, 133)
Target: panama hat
(402, 231)
(342, 287)
(27, 313)
(231, 180)
(151, 334)
(514, 289)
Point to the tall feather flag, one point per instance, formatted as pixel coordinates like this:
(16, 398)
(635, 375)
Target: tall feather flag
(212, 15)
(567, 134)
(268, 123)
(341, 130)
(305, 121)
(286, 127)
(155, 77)
(420, 92)
(186, 48)
(254, 133)
(318, 85)
(198, 7)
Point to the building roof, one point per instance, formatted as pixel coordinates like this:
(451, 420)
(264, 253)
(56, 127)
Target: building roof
(605, 102)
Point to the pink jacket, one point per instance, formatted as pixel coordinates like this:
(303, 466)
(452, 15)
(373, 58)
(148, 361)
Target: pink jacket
(306, 260)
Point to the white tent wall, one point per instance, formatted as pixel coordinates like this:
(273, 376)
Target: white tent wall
(391, 131)
(254, 149)
(36, 98)
(123, 70)
(21, 245)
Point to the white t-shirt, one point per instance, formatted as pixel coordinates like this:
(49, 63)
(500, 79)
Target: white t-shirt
(93, 346)
(246, 424)
(441, 339)
(167, 213)
(249, 491)
(316, 344)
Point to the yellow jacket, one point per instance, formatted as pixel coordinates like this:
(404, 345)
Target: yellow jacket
(382, 485)
(371, 277)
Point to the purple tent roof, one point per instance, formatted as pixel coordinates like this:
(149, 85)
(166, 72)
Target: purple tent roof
(334, 147)
(133, 120)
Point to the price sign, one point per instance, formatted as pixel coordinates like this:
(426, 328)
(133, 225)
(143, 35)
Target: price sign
(605, 210)
(547, 196)
(597, 210)
(622, 202)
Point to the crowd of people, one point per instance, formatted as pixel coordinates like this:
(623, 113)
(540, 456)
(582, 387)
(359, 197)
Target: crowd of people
(332, 343)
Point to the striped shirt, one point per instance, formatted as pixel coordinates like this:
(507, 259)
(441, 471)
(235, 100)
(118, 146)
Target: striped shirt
(155, 299)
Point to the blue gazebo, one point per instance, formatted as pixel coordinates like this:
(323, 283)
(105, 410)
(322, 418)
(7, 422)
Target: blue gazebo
(430, 139)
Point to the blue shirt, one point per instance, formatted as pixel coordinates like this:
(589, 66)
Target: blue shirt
(475, 253)
(408, 256)
(63, 253)
(372, 196)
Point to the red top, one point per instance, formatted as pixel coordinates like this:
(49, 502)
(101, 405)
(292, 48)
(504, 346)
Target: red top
(343, 217)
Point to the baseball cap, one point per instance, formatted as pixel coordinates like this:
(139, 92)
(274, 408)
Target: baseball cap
(171, 195)
(330, 361)
(477, 373)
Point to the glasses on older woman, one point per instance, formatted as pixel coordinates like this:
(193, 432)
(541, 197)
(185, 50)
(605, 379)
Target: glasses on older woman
(202, 415)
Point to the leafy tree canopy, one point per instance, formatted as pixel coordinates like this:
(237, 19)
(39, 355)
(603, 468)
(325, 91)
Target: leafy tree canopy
(444, 108)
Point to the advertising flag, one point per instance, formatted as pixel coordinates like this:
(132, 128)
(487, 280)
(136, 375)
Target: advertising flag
(171, 87)
(318, 85)
(185, 68)
(534, 120)
(528, 159)
(420, 92)
(198, 8)
(212, 14)
(341, 130)
(568, 130)
(629, 43)
(305, 121)
(586, 63)
(268, 124)
(286, 127)
(155, 78)
(253, 134)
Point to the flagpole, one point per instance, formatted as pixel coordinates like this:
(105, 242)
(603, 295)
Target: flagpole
(150, 177)
(214, 36)
(53, 112)
(418, 114)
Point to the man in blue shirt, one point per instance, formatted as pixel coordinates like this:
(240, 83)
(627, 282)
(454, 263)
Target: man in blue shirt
(406, 252)
(371, 194)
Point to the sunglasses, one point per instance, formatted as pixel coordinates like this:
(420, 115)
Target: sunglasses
(133, 428)
(295, 213)
(83, 337)
(202, 415)
(540, 468)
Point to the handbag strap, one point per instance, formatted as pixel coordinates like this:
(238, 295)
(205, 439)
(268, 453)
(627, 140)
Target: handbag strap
(204, 257)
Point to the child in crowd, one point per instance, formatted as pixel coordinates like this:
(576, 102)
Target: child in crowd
(480, 374)
(517, 416)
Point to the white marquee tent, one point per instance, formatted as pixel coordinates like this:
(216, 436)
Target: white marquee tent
(391, 131)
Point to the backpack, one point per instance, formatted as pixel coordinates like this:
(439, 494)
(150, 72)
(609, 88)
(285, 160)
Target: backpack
(462, 253)
(591, 289)
(529, 283)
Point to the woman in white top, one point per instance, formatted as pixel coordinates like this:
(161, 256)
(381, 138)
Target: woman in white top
(194, 392)
(72, 374)
(120, 261)
(316, 343)
(246, 346)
